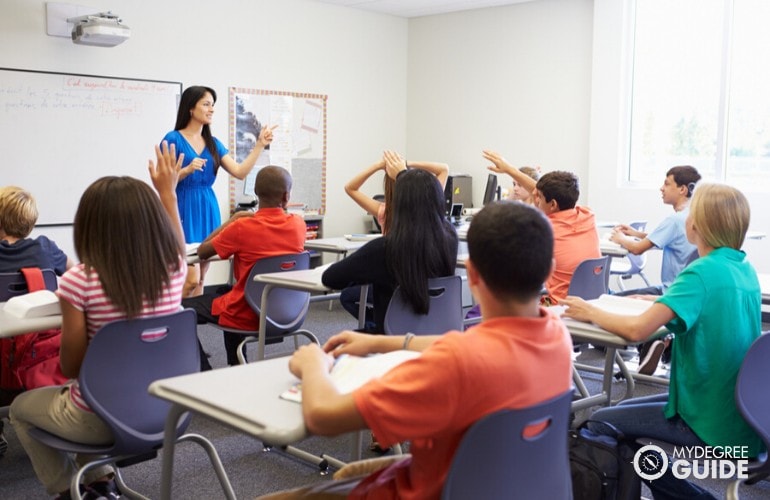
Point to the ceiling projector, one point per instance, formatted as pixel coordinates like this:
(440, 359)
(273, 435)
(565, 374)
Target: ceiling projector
(103, 30)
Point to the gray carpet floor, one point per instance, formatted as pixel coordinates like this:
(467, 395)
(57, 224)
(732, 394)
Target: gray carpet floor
(251, 470)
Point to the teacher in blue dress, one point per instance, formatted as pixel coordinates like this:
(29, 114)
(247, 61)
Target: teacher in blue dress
(203, 155)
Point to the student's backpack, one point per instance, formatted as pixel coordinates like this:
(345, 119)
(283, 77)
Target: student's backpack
(602, 466)
(31, 360)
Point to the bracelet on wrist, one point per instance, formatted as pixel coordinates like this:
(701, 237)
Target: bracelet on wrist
(407, 338)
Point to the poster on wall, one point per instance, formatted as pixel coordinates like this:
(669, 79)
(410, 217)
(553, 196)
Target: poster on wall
(299, 142)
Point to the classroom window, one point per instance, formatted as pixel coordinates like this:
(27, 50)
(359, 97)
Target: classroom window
(699, 92)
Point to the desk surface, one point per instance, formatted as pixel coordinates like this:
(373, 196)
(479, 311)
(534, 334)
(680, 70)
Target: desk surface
(339, 244)
(245, 397)
(11, 325)
(608, 247)
(305, 279)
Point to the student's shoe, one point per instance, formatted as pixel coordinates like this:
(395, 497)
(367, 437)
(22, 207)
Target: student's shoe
(102, 490)
(649, 363)
(666, 357)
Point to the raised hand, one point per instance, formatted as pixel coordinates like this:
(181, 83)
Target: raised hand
(499, 164)
(266, 135)
(394, 163)
(164, 172)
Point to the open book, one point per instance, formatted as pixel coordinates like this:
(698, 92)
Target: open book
(621, 305)
(351, 372)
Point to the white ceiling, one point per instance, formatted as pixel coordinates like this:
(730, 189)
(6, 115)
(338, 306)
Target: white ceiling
(416, 8)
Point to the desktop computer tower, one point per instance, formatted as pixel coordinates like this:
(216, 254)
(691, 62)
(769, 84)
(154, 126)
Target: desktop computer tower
(462, 189)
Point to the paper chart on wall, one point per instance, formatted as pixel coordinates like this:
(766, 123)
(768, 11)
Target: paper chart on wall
(299, 140)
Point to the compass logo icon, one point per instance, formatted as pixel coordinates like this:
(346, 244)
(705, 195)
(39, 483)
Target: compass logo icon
(650, 462)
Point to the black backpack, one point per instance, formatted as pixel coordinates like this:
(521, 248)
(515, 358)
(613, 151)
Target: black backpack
(602, 466)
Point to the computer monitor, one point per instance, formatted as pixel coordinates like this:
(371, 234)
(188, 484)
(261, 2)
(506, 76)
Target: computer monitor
(491, 192)
(448, 196)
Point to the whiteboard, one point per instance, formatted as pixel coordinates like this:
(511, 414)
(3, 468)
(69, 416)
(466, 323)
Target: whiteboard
(299, 142)
(60, 132)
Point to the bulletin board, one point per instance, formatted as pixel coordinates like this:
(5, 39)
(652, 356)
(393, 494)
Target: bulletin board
(299, 142)
(63, 131)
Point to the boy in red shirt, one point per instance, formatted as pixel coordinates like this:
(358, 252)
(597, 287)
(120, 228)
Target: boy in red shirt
(248, 237)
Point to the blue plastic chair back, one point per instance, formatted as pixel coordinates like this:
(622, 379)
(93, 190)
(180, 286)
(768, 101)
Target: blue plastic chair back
(591, 278)
(445, 312)
(496, 459)
(636, 263)
(751, 395)
(286, 308)
(13, 284)
(122, 360)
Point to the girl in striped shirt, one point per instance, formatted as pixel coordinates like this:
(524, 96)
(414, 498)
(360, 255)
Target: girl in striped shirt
(131, 248)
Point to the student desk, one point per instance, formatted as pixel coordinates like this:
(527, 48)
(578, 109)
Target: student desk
(11, 325)
(590, 333)
(243, 397)
(611, 248)
(593, 334)
(339, 245)
(307, 280)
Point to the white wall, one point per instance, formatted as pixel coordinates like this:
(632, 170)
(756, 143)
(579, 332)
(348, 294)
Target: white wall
(514, 79)
(357, 58)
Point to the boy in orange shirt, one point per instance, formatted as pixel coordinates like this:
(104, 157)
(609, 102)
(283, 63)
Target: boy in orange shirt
(574, 227)
(459, 377)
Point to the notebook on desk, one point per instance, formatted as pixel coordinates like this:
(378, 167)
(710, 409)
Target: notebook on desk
(33, 305)
(351, 372)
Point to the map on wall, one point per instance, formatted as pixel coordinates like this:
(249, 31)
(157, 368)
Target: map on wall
(299, 142)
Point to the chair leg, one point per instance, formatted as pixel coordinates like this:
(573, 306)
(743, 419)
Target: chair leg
(125, 490)
(216, 462)
(621, 286)
(581, 386)
(241, 352)
(646, 281)
(731, 493)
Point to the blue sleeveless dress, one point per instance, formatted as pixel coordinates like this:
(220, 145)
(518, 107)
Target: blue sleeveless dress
(198, 207)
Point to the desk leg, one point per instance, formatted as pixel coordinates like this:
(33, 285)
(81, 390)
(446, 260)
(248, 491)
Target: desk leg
(362, 306)
(609, 373)
(169, 441)
(630, 383)
(340, 256)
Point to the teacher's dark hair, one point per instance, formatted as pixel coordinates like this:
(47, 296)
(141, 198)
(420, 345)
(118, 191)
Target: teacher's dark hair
(122, 232)
(420, 242)
(511, 246)
(190, 98)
